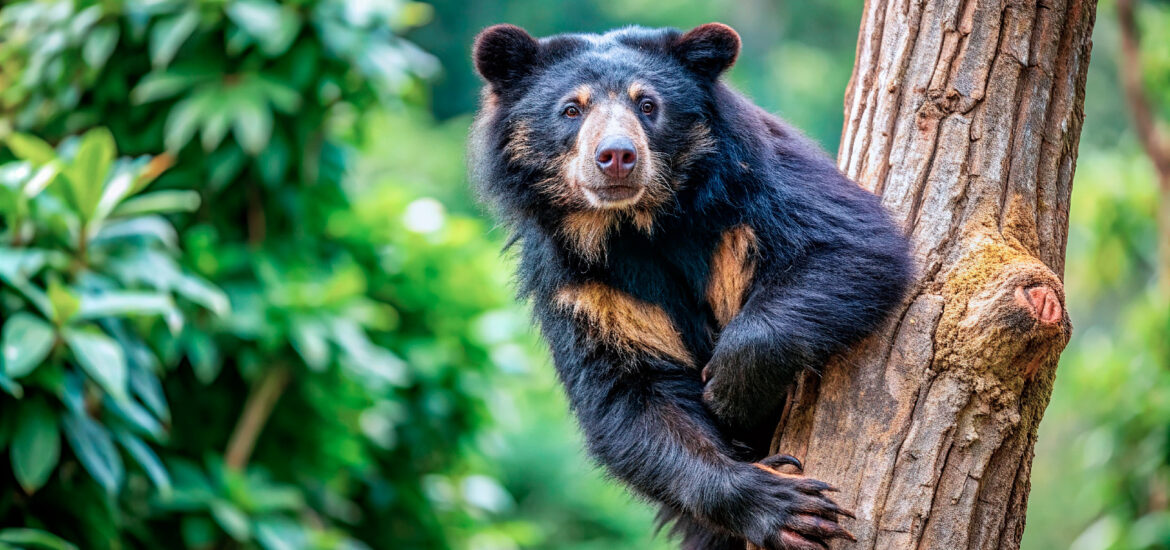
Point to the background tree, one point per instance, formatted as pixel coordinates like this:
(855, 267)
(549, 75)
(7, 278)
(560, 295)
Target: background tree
(1151, 130)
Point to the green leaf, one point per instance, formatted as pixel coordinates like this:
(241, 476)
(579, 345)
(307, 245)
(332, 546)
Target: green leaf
(269, 498)
(72, 393)
(41, 179)
(184, 119)
(147, 459)
(284, 98)
(14, 174)
(149, 228)
(233, 520)
(415, 14)
(36, 446)
(83, 20)
(273, 161)
(10, 386)
(12, 210)
(26, 342)
(101, 358)
(215, 128)
(253, 126)
(158, 202)
(116, 189)
(278, 533)
(31, 148)
(34, 538)
(162, 85)
(192, 491)
(63, 301)
(310, 339)
(137, 417)
(95, 450)
(204, 356)
(18, 265)
(257, 17)
(35, 296)
(272, 26)
(87, 172)
(203, 293)
(145, 385)
(364, 358)
(226, 165)
(123, 303)
(169, 34)
(99, 45)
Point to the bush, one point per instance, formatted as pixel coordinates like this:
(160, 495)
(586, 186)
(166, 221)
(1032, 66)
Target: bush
(237, 346)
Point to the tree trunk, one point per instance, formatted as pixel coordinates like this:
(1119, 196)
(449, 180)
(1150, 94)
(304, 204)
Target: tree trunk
(964, 115)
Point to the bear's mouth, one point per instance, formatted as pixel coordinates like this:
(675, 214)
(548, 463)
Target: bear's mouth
(610, 196)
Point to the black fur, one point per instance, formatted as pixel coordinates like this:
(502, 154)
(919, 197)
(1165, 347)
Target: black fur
(830, 266)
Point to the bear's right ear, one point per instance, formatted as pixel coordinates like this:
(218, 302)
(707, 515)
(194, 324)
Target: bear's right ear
(504, 54)
(708, 49)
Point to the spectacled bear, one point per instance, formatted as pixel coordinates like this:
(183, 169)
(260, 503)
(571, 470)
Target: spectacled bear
(687, 254)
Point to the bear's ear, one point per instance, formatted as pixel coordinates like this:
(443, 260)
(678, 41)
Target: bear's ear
(708, 49)
(504, 53)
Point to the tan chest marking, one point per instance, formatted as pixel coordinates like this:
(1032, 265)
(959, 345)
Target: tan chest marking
(586, 230)
(624, 322)
(732, 268)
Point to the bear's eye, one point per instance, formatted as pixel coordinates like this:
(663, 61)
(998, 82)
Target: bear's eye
(647, 106)
(572, 111)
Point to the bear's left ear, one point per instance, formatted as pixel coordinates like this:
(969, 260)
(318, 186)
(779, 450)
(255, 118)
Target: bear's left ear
(504, 54)
(708, 49)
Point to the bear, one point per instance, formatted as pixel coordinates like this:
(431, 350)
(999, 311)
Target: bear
(686, 255)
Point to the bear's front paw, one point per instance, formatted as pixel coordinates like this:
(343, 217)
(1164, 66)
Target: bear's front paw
(800, 516)
(728, 397)
(741, 387)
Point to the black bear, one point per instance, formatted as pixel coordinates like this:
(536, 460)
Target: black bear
(687, 254)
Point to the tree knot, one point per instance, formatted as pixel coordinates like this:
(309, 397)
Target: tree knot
(1004, 313)
(1042, 302)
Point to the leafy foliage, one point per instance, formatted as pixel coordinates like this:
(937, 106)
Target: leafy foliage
(76, 314)
(218, 339)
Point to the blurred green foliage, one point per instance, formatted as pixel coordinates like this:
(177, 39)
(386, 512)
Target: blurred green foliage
(250, 352)
(247, 300)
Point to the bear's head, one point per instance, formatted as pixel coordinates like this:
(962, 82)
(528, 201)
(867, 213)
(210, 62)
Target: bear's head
(593, 129)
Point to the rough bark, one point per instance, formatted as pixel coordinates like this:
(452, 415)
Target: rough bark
(964, 115)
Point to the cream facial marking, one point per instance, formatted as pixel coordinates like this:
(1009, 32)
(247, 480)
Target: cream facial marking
(599, 200)
(636, 91)
(582, 94)
(605, 119)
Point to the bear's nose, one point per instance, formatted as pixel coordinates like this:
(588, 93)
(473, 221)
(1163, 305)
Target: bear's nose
(616, 156)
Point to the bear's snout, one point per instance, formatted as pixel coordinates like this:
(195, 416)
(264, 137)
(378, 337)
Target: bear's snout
(616, 156)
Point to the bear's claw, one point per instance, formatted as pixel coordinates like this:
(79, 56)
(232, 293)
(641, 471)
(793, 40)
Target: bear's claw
(777, 460)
